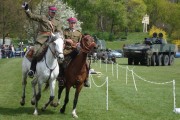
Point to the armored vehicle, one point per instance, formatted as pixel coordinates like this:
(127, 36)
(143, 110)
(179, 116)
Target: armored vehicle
(150, 53)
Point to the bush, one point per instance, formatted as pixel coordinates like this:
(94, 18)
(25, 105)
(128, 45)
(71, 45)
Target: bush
(175, 34)
(157, 30)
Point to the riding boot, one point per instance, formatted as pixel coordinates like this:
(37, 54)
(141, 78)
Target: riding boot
(32, 68)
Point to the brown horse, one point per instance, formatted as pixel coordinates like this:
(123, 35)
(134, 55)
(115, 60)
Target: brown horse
(76, 73)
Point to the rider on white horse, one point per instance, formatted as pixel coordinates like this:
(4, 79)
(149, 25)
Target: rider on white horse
(48, 24)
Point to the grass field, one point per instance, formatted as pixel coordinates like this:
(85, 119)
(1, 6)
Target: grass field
(131, 39)
(149, 102)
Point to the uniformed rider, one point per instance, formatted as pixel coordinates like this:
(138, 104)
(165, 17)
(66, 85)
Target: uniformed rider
(48, 24)
(72, 38)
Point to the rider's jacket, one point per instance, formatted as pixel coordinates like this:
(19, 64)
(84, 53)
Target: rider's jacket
(75, 35)
(46, 26)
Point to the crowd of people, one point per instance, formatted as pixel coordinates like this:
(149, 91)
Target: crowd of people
(9, 51)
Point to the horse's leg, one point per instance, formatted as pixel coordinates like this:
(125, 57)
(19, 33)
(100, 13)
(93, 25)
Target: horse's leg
(38, 95)
(66, 100)
(33, 83)
(60, 89)
(24, 82)
(78, 89)
(34, 99)
(51, 98)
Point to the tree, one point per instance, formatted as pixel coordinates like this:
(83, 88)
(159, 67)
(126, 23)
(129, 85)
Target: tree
(164, 14)
(9, 21)
(63, 13)
(136, 9)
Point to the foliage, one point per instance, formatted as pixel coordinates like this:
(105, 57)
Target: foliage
(157, 30)
(11, 14)
(136, 9)
(175, 34)
(111, 16)
(164, 14)
(64, 12)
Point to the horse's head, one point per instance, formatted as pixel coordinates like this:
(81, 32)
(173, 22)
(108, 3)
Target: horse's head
(87, 43)
(58, 47)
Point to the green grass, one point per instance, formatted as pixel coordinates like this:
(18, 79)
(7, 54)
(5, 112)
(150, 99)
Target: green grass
(131, 39)
(150, 102)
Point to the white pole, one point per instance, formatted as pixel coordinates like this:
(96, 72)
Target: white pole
(174, 95)
(134, 80)
(126, 74)
(143, 27)
(112, 69)
(100, 63)
(90, 80)
(107, 94)
(101, 44)
(117, 71)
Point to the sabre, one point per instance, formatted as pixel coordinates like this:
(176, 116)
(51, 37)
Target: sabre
(25, 3)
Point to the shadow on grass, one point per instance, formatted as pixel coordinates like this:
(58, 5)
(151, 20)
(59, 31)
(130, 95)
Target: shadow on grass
(22, 110)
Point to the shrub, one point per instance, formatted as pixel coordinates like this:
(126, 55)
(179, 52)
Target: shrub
(175, 34)
(157, 30)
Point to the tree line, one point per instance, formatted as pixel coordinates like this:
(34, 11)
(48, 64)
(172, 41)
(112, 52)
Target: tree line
(113, 18)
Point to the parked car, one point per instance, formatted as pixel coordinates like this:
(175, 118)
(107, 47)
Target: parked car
(115, 53)
(120, 51)
(177, 55)
(19, 52)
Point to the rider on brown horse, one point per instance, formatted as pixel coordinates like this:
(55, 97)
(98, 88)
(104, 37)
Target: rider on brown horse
(72, 38)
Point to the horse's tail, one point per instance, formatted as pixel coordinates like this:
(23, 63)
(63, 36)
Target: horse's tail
(46, 86)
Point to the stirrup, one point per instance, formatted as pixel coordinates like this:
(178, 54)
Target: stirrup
(31, 73)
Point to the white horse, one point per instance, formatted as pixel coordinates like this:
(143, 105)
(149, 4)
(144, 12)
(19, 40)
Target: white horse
(47, 71)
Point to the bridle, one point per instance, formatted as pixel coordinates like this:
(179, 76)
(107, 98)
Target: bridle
(54, 53)
(85, 46)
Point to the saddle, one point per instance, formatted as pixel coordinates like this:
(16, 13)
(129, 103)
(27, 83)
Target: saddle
(30, 53)
(39, 57)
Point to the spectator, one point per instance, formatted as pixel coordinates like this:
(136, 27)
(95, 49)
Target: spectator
(12, 51)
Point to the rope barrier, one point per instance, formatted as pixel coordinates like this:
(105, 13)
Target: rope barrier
(106, 82)
(176, 110)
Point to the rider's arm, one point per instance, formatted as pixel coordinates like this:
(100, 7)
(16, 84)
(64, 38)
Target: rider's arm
(34, 17)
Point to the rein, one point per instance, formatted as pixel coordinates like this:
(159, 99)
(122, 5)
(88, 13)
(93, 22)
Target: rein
(51, 69)
(54, 53)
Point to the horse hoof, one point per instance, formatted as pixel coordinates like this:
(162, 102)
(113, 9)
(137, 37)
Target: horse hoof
(22, 103)
(75, 116)
(62, 110)
(32, 102)
(35, 112)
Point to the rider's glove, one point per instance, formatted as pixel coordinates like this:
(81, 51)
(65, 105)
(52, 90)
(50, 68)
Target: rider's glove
(25, 6)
